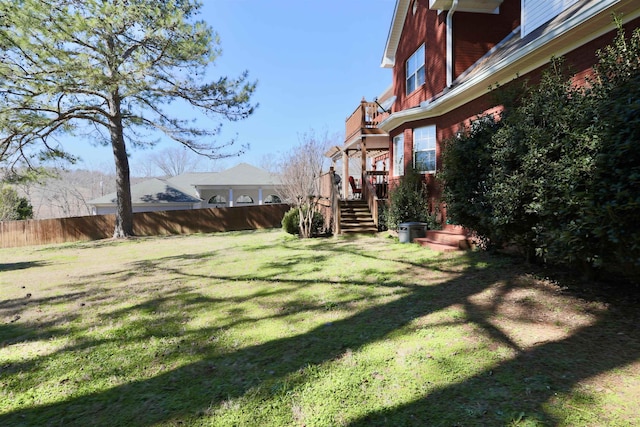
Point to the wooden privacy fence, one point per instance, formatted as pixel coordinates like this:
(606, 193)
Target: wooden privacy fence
(60, 230)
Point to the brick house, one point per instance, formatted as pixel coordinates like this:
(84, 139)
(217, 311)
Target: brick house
(446, 54)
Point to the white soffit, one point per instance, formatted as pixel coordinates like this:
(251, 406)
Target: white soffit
(476, 6)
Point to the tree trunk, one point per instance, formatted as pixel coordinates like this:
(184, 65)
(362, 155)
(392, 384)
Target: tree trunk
(302, 225)
(124, 210)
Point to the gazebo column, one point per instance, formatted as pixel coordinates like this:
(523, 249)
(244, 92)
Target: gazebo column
(231, 197)
(260, 195)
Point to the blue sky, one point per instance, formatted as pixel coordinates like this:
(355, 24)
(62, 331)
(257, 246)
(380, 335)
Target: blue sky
(313, 60)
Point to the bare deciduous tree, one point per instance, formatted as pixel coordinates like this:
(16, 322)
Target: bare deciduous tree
(301, 169)
(175, 161)
(66, 193)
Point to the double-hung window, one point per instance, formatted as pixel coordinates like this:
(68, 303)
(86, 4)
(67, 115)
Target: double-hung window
(424, 149)
(398, 155)
(415, 70)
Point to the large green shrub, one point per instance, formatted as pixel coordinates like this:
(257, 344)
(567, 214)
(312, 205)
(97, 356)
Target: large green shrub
(528, 179)
(559, 174)
(615, 214)
(542, 172)
(467, 163)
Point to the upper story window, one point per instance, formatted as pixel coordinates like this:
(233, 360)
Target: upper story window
(424, 149)
(398, 155)
(415, 70)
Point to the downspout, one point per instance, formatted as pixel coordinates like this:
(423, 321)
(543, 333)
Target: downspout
(454, 6)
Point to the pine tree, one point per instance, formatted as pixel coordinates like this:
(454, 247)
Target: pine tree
(106, 70)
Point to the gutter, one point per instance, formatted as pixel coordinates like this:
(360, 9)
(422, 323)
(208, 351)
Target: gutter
(452, 10)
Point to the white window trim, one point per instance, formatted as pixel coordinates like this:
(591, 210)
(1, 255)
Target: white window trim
(398, 160)
(431, 137)
(420, 55)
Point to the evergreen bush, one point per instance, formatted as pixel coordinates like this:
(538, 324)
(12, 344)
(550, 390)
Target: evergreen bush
(408, 201)
(291, 221)
(559, 173)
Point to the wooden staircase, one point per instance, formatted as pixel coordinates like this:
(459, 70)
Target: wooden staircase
(450, 238)
(355, 217)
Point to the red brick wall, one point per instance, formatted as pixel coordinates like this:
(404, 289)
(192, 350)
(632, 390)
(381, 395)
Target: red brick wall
(425, 26)
(473, 37)
(581, 60)
(475, 34)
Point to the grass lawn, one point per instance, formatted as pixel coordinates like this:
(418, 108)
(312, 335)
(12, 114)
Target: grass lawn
(262, 329)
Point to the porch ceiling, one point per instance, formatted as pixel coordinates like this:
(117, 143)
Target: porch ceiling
(375, 144)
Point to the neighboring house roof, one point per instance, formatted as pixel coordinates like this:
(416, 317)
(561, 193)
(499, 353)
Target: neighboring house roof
(183, 188)
(151, 191)
(243, 174)
(580, 23)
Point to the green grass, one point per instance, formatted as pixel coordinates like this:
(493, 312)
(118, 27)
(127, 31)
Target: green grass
(262, 329)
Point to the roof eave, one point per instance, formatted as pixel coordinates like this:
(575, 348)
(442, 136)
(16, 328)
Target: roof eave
(395, 31)
(530, 57)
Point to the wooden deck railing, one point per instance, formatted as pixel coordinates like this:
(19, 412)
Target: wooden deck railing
(366, 116)
(375, 192)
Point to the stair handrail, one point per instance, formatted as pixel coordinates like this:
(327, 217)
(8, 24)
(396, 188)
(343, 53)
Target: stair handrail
(369, 194)
(334, 197)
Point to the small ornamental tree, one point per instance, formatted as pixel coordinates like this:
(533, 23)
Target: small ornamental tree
(408, 201)
(107, 71)
(300, 176)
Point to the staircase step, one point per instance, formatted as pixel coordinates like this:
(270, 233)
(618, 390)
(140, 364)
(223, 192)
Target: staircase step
(450, 238)
(436, 246)
(442, 236)
(355, 217)
(362, 230)
(355, 209)
(454, 229)
(364, 210)
(367, 221)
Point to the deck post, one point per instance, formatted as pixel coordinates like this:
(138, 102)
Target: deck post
(345, 174)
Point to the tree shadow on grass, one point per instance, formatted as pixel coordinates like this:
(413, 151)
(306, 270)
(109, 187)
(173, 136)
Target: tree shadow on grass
(10, 266)
(222, 374)
(525, 387)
